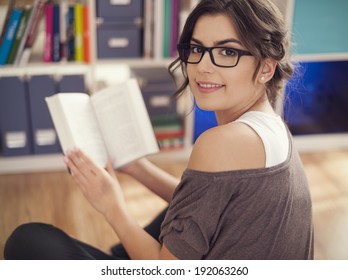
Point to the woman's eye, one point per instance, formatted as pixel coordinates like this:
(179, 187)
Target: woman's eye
(228, 52)
(196, 50)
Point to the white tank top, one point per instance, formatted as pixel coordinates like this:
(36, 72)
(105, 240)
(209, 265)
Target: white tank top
(273, 133)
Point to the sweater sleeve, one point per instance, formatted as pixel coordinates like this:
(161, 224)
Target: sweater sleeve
(193, 216)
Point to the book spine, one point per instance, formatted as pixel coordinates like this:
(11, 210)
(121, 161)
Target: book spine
(148, 28)
(19, 36)
(10, 35)
(166, 29)
(86, 34)
(26, 32)
(10, 7)
(33, 30)
(48, 49)
(78, 33)
(70, 33)
(63, 23)
(30, 34)
(170, 144)
(174, 27)
(158, 28)
(169, 134)
(56, 33)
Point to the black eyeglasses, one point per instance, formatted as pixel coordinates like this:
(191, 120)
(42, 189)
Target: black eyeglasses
(220, 56)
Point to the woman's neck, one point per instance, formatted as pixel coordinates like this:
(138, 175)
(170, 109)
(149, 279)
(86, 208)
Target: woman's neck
(262, 105)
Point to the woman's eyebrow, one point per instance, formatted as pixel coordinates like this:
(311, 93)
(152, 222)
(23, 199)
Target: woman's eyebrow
(218, 43)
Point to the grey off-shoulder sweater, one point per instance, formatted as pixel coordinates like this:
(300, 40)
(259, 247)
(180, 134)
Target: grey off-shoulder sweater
(244, 214)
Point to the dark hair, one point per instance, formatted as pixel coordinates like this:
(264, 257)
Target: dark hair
(262, 30)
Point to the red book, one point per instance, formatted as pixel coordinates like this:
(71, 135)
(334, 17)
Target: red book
(48, 49)
(169, 134)
(86, 34)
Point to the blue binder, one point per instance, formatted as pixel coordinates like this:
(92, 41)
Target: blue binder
(45, 140)
(72, 83)
(15, 130)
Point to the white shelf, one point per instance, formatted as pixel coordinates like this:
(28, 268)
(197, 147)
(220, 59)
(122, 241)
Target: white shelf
(46, 163)
(321, 142)
(54, 162)
(31, 163)
(321, 57)
(46, 68)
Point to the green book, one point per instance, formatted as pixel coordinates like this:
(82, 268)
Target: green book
(19, 36)
(166, 29)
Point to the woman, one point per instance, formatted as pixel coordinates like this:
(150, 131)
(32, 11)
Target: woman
(244, 194)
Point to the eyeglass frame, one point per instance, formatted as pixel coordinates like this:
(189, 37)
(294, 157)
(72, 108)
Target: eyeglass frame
(210, 51)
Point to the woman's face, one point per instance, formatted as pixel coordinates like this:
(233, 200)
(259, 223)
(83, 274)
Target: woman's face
(223, 90)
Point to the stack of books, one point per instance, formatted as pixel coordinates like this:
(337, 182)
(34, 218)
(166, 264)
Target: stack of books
(158, 87)
(66, 28)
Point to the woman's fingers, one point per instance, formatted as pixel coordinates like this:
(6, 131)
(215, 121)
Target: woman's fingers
(83, 169)
(110, 169)
(84, 164)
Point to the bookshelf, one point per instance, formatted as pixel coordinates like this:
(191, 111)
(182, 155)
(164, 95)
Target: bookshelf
(95, 68)
(299, 17)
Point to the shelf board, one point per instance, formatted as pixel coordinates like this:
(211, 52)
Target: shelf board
(321, 142)
(31, 163)
(45, 68)
(54, 162)
(320, 57)
(45, 163)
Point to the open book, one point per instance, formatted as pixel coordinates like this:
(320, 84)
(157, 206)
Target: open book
(112, 123)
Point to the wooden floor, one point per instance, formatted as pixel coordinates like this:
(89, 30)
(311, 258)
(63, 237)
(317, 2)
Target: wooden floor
(54, 198)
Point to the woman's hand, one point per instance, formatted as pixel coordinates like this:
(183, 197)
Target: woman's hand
(100, 186)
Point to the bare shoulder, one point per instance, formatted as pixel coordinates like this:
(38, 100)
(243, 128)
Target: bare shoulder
(228, 147)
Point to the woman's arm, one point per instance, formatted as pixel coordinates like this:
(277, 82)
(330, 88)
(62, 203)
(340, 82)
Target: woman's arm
(153, 177)
(103, 191)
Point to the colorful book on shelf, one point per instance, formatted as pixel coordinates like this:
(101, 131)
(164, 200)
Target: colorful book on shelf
(111, 124)
(180, 133)
(158, 29)
(48, 48)
(63, 15)
(174, 30)
(86, 33)
(10, 7)
(56, 33)
(70, 34)
(10, 34)
(166, 28)
(24, 51)
(169, 130)
(78, 24)
(169, 144)
(19, 35)
(148, 28)
(158, 120)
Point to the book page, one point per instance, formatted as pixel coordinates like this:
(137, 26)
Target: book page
(77, 126)
(122, 128)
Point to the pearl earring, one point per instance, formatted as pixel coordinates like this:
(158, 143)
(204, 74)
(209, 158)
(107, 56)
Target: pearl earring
(262, 78)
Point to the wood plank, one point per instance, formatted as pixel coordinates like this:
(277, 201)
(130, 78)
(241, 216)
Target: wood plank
(53, 197)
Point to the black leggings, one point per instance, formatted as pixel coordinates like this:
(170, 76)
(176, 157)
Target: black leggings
(38, 241)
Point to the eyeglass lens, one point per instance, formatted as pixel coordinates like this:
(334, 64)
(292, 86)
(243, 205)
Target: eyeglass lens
(221, 56)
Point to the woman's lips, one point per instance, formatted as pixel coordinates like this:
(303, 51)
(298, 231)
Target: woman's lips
(208, 87)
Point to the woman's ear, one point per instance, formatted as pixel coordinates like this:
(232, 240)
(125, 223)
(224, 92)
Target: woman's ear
(267, 70)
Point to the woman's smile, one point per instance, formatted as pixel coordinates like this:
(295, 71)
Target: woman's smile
(208, 87)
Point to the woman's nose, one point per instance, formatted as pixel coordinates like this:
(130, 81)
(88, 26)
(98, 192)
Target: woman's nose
(206, 64)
